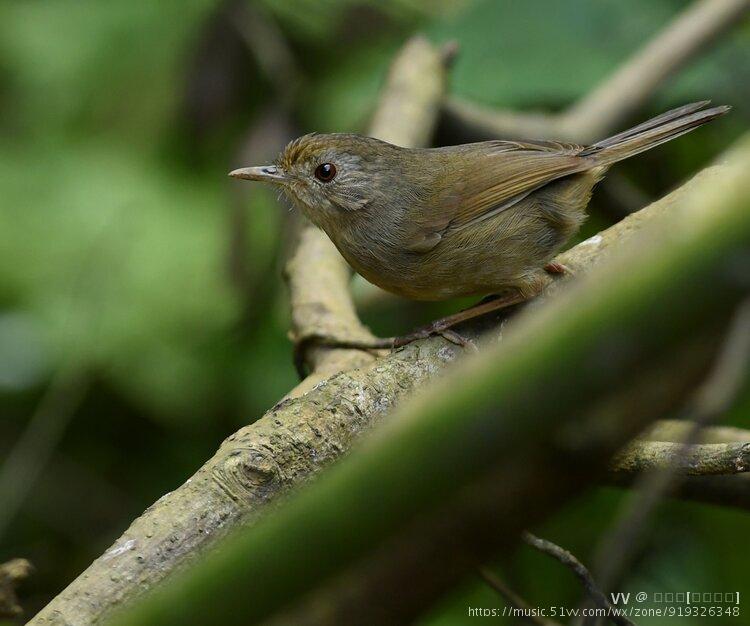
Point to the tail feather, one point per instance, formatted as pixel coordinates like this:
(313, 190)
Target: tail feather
(652, 133)
(653, 122)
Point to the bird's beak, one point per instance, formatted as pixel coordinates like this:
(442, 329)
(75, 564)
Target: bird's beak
(264, 173)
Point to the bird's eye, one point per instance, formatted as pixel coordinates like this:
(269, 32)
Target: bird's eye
(325, 172)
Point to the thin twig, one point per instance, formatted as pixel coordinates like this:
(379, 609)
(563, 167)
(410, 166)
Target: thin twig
(580, 571)
(525, 610)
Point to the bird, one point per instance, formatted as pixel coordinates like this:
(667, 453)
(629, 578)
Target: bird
(478, 219)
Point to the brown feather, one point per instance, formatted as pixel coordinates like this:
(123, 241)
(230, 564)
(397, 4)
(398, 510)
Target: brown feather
(473, 219)
(495, 175)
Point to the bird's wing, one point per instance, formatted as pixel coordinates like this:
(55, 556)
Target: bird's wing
(493, 176)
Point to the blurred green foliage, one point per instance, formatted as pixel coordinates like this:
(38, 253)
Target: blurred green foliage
(559, 50)
(118, 123)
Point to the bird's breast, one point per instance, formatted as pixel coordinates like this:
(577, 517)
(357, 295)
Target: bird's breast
(384, 261)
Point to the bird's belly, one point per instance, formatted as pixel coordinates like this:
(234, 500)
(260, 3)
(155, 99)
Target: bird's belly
(434, 276)
(489, 257)
(411, 285)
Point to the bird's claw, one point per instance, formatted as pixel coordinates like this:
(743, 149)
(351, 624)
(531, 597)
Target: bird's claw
(436, 328)
(558, 268)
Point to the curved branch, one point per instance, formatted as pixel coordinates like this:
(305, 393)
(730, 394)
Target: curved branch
(580, 572)
(727, 489)
(624, 92)
(620, 94)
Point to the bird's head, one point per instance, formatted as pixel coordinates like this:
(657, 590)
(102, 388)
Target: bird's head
(329, 175)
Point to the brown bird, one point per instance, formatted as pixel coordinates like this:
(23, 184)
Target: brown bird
(474, 219)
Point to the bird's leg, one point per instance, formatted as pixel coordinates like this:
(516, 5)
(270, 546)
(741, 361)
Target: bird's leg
(459, 340)
(524, 291)
(443, 325)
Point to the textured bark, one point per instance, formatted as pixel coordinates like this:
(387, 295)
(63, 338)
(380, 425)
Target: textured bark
(726, 490)
(715, 450)
(695, 460)
(432, 555)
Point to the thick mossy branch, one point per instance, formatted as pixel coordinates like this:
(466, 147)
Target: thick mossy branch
(531, 482)
(562, 378)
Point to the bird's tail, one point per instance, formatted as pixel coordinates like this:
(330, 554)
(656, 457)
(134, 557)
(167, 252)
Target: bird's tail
(654, 132)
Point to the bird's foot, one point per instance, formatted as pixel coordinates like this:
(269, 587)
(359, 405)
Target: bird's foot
(443, 326)
(375, 346)
(459, 340)
(438, 327)
(558, 268)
